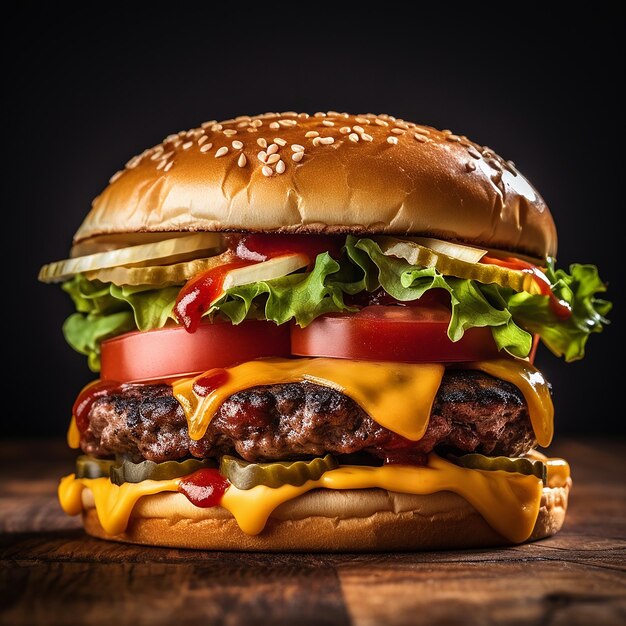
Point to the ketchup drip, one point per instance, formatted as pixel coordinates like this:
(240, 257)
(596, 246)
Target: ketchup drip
(196, 296)
(204, 488)
(259, 247)
(86, 398)
(560, 308)
(211, 381)
(200, 292)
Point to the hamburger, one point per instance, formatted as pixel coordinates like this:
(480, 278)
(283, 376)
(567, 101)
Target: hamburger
(317, 332)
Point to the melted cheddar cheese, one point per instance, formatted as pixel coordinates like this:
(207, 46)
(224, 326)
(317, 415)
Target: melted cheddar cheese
(509, 502)
(398, 396)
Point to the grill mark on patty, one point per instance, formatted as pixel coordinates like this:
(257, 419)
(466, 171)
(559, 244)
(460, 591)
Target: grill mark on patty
(472, 412)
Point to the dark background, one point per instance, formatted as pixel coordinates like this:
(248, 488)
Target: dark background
(83, 94)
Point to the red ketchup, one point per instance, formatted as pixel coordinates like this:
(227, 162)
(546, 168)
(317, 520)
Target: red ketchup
(86, 398)
(204, 488)
(211, 381)
(200, 292)
(560, 308)
(196, 296)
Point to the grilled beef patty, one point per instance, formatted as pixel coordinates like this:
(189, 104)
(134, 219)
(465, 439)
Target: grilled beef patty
(473, 412)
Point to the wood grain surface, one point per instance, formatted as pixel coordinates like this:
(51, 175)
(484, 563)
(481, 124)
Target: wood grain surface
(52, 574)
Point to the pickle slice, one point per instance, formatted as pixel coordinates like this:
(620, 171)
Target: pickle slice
(161, 275)
(128, 472)
(90, 467)
(244, 475)
(417, 254)
(169, 251)
(518, 465)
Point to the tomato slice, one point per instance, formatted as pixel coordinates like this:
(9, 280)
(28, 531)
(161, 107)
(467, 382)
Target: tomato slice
(172, 352)
(412, 334)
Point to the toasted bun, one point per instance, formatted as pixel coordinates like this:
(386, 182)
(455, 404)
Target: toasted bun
(357, 174)
(328, 521)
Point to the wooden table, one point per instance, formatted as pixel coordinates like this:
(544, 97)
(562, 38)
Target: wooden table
(53, 574)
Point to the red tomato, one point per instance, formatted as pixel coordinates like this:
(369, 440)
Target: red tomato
(172, 352)
(412, 334)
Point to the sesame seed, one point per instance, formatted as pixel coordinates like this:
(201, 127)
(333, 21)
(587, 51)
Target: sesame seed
(216, 127)
(280, 167)
(421, 129)
(344, 130)
(510, 163)
(274, 125)
(161, 164)
(446, 131)
(177, 143)
(267, 171)
(167, 155)
(157, 155)
(209, 123)
(319, 114)
(169, 166)
(353, 137)
(262, 142)
(420, 138)
(272, 158)
(289, 114)
(280, 141)
(403, 125)
(361, 120)
(287, 123)
(272, 148)
(241, 161)
(170, 138)
(187, 145)
(237, 145)
(297, 156)
(334, 113)
(366, 137)
(473, 152)
(453, 138)
(392, 140)
(134, 162)
(202, 140)
(262, 156)
(206, 147)
(243, 124)
(312, 133)
(327, 140)
(229, 132)
(118, 174)
(317, 141)
(256, 123)
(358, 129)
(397, 131)
(296, 147)
(221, 152)
(303, 116)
(328, 123)
(470, 166)
(381, 122)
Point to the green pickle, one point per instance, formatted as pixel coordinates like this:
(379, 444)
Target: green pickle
(127, 472)
(244, 475)
(90, 467)
(528, 467)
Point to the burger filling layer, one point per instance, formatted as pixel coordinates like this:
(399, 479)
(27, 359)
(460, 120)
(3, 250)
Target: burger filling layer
(472, 412)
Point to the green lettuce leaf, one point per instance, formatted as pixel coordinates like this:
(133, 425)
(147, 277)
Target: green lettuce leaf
(105, 310)
(568, 337)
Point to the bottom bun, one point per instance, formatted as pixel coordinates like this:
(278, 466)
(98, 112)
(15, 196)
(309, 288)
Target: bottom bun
(364, 520)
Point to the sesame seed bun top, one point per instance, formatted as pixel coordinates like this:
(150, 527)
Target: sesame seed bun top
(325, 173)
